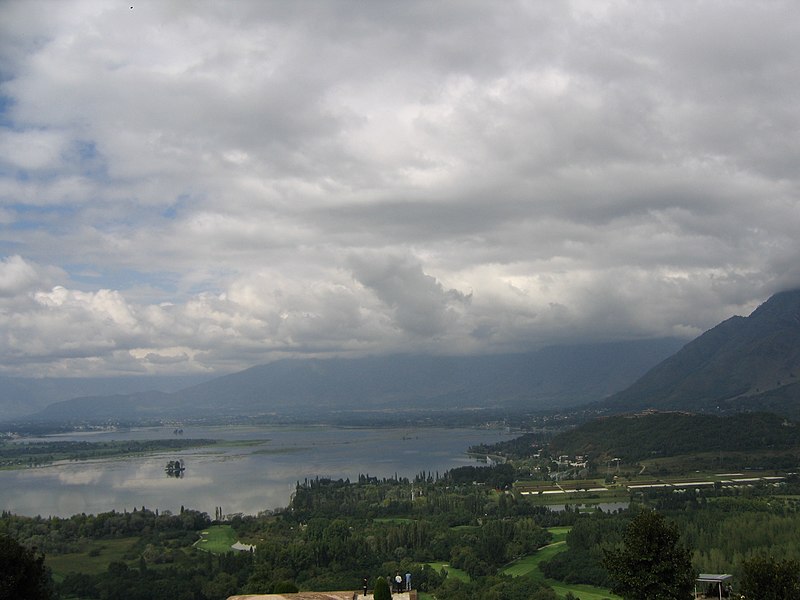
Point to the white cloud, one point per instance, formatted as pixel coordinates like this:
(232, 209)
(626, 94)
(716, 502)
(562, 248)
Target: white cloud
(418, 304)
(213, 186)
(17, 276)
(31, 149)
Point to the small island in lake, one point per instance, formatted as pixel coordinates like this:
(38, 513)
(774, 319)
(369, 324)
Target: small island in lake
(175, 468)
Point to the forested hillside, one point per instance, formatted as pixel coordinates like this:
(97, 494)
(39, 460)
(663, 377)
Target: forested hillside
(634, 437)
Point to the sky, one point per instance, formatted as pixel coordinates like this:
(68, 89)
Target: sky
(199, 187)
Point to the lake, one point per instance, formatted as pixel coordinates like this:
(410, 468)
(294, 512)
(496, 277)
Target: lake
(255, 470)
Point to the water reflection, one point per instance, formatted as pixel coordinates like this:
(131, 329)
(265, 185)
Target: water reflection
(245, 478)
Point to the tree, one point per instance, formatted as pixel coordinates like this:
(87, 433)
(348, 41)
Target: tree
(222, 586)
(768, 579)
(283, 587)
(650, 564)
(382, 590)
(22, 572)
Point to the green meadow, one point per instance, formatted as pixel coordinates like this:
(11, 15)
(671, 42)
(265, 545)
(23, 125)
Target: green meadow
(217, 539)
(451, 571)
(94, 559)
(528, 566)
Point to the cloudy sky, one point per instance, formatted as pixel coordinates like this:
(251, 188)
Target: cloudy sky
(198, 186)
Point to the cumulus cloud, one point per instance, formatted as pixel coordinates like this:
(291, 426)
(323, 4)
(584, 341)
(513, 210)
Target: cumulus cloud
(17, 276)
(205, 187)
(420, 305)
(20, 281)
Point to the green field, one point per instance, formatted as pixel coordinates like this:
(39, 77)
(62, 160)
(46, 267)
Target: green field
(451, 571)
(465, 528)
(582, 592)
(94, 559)
(401, 520)
(529, 566)
(217, 539)
(559, 533)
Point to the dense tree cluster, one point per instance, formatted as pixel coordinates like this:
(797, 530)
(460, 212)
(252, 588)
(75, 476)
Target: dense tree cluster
(334, 531)
(651, 563)
(499, 476)
(495, 588)
(726, 530)
(770, 579)
(193, 576)
(22, 572)
(56, 535)
(582, 562)
(522, 446)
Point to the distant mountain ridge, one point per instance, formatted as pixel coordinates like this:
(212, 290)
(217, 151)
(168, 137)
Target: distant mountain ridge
(20, 396)
(743, 364)
(553, 377)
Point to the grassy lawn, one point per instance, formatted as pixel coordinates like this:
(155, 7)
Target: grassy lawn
(529, 566)
(559, 533)
(94, 560)
(451, 571)
(217, 539)
(583, 592)
(393, 520)
(465, 528)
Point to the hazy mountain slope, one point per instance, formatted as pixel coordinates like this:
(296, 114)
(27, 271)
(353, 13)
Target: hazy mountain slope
(750, 363)
(142, 405)
(552, 377)
(20, 396)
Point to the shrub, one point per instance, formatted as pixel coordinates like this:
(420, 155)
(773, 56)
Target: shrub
(382, 590)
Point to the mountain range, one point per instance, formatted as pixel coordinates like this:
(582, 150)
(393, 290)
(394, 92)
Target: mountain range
(20, 396)
(553, 377)
(743, 364)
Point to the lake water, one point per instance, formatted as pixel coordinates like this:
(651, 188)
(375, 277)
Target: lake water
(257, 469)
